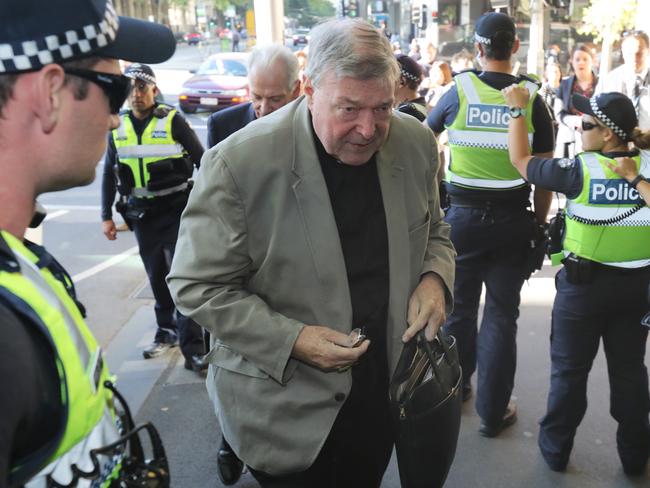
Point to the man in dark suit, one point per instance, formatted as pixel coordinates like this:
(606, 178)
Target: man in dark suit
(273, 82)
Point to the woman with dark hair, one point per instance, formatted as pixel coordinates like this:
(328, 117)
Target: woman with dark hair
(583, 82)
(602, 288)
(407, 98)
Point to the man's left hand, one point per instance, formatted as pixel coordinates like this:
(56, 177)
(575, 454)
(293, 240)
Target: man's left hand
(426, 308)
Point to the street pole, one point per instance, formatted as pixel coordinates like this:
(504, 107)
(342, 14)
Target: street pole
(269, 21)
(535, 59)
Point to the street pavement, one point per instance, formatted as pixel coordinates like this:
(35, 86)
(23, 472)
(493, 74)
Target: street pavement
(111, 282)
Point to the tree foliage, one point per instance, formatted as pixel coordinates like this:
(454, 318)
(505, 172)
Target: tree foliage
(308, 12)
(602, 16)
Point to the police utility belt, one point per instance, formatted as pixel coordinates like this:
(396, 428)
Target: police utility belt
(146, 193)
(581, 271)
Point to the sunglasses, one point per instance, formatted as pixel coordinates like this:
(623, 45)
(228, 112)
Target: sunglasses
(115, 87)
(589, 126)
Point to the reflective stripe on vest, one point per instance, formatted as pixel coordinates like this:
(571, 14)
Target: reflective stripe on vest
(605, 196)
(38, 294)
(478, 136)
(155, 144)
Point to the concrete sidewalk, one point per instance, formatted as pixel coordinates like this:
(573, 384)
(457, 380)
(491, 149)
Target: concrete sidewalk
(176, 401)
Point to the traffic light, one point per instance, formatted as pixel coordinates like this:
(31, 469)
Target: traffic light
(353, 9)
(423, 18)
(228, 23)
(416, 14)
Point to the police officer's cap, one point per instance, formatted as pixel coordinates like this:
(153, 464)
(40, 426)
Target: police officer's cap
(494, 27)
(34, 33)
(613, 109)
(139, 71)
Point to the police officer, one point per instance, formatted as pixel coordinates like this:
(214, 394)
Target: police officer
(152, 154)
(602, 288)
(61, 89)
(491, 226)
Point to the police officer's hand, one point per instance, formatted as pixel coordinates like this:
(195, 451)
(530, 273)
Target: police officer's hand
(426, 308)
(624, 167)
(109, 229)
(326, 348)
(516, 96)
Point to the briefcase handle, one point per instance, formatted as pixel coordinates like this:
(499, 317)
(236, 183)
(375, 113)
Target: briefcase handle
(426, 345)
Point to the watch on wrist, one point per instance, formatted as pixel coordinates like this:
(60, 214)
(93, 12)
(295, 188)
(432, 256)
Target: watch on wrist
(516, 112)
(638, 179)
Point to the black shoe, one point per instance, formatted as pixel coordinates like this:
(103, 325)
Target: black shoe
(493, 430)
(156, 348)
(229, 466)
(467, 391)
(196, 363)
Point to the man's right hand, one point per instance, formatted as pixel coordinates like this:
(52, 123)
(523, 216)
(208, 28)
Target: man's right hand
(108, 227)
(326, 348)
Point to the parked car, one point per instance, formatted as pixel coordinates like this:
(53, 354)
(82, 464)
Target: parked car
(221, 81)
(193, 38)
(300, 36)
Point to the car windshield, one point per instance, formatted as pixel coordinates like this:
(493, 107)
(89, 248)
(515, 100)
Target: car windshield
(225, 67)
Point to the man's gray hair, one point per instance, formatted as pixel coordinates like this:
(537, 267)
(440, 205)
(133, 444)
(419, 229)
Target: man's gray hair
(350, 48)
(263, 57)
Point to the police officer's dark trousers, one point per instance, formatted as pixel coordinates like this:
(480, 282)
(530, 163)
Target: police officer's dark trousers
(157, 233)
(610, 306)
(492, 242)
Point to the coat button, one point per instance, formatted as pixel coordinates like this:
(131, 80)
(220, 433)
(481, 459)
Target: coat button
(339, 397)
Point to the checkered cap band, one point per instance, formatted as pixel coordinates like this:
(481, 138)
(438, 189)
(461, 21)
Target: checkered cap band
(482, 40)
(593, 101)
(55, 48)
(136, 71)
(409, 76)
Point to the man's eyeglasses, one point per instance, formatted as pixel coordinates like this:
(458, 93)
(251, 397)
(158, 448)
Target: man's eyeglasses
(639, 34)
(589, 126)
(115, 87)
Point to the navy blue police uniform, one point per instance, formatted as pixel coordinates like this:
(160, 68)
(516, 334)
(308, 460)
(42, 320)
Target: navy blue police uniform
(607, 302)
(492, 232)
(156, 229)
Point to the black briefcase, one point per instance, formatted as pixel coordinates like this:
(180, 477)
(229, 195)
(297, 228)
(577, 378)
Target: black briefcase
(425, 399)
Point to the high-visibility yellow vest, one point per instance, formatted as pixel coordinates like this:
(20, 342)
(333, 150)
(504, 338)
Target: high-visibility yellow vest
(139, 152)
(90, 420)
(594, 229)
(478, 136)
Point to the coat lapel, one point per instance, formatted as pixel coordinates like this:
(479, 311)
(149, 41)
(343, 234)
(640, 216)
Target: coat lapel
(318, 221)
(391, 180)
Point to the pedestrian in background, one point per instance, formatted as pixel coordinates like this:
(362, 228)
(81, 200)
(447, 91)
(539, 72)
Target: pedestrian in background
(273, 81)
(632, 78)
(56, 103)
(583, 82)
(550, 84)
(491, 224)
(462, 61)
(150, 159)
(440, 80)
(307, 223)
(602, 288)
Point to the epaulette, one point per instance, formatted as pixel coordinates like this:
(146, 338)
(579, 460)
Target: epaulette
(468, 70)
(533, 78)
(162, 110)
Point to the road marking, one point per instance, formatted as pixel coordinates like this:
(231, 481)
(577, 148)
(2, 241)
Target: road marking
(72, 207)
(105, 265)
(56, 214)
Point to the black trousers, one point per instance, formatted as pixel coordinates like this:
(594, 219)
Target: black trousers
(157, 233)
(357, 451)
(493, 246)
(609, 307)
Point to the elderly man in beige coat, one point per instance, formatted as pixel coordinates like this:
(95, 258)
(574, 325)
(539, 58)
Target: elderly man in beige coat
(319, 218)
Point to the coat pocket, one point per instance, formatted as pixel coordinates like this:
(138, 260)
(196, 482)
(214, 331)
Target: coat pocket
(224, 357)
